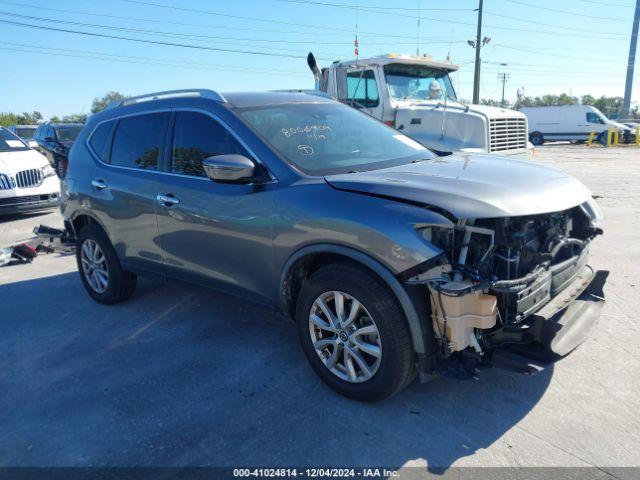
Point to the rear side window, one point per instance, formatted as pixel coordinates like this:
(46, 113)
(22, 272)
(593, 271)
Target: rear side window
(137, 141)
(196, 137)
(99, 140)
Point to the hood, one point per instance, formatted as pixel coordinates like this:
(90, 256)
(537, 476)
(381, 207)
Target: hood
(455, 128)
(14, 162)
(486, 110)
(472, 186)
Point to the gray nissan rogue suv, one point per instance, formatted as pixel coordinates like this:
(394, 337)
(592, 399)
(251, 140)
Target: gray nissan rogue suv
(394, 261)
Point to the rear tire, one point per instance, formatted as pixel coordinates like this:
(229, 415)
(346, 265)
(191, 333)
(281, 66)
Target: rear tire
(536, 139)
(102, 276)
(387, 353)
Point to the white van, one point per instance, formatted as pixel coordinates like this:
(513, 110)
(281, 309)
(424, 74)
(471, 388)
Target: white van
(569, 122)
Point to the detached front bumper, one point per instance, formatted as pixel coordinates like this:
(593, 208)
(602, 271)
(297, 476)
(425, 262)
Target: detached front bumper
(552, 332)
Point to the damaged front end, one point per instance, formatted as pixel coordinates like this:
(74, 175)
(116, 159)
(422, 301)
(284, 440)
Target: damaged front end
(513, 292)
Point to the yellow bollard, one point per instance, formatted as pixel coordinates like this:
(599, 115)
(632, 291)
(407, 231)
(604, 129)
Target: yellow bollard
(637, 135)
(616, 139)
(609, 137)
(592, 135)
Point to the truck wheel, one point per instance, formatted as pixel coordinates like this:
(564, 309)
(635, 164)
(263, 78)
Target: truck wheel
(102, 276)
(602, 138)
(536, 138)
(353, 333)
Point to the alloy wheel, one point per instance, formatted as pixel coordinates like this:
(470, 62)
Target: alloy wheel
(94, 266)
(345, 336)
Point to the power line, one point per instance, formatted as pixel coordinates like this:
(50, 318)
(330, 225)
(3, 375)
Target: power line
(546, 54)
(563, 27)
(153, 42)
(608, 4)
(240, 17)
(200, 25)
(209, 38)
(87, 54)
(354, 6)
(378, 10)
(322, 27)
(218, 39)
(538, 7)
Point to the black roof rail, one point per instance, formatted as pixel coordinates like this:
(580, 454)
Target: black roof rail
(204, 93)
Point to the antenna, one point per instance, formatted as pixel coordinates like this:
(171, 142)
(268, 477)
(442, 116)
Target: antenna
(355, 43)
(418, 32)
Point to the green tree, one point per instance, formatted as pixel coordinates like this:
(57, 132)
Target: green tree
(75, 118)
(100, 103)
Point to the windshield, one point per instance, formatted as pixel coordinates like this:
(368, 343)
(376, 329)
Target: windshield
(26, 133)
(415, 82)
(68, 134)
(10, 142)
(328, 138)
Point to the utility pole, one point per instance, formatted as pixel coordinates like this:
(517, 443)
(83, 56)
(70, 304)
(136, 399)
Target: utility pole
(503, 77)
(476, 74)
(632, 60)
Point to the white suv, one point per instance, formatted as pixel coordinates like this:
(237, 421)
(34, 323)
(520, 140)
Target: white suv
(27, 181)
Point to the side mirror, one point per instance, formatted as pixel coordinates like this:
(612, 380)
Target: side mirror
(229, 168)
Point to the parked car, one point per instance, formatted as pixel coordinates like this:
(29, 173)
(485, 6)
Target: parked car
(392, 261)
(54, 141)
(26, 133)
(570, 122)
(27, 182)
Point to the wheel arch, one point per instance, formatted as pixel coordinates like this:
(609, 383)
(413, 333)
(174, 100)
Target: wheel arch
(308, 259)
(81, 219)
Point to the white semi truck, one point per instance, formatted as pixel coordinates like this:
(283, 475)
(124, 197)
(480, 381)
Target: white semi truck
(415, 95)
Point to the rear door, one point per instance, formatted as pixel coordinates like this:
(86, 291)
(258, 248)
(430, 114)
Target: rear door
(124, 187)
(214, 234)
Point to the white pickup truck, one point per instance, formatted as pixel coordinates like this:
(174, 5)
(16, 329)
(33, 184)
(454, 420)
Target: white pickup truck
(414, 94)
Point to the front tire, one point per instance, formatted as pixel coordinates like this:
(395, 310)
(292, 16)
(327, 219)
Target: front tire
(102, 276)
(353, 333)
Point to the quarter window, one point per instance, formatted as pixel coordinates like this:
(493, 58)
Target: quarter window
(99, 139)
(137, 141)
(196, 137)
(362, 89)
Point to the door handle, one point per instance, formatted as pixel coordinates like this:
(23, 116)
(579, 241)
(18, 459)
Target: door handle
(167, 200)
(98, 184)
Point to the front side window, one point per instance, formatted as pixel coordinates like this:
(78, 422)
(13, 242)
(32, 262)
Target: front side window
(9, 142)
(362, 89)
(197, 137)
(67, 134)
(328, 138)
(417, 82)
(137, 141)
(593, 117)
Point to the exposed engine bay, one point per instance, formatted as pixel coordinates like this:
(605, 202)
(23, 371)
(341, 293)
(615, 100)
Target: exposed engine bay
(495, 274)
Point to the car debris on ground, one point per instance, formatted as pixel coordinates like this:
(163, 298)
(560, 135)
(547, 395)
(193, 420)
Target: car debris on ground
(46, 240)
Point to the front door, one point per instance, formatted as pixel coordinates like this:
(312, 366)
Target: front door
(360, 90)
(214, 234)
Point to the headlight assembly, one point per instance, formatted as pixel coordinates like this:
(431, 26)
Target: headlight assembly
(48, 171)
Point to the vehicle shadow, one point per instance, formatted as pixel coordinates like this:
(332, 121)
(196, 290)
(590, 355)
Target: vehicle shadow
(181, 376)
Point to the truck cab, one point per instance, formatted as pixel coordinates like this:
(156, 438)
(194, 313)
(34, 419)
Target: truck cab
(415, 95)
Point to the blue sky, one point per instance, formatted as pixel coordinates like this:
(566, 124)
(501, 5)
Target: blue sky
(574, 46)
